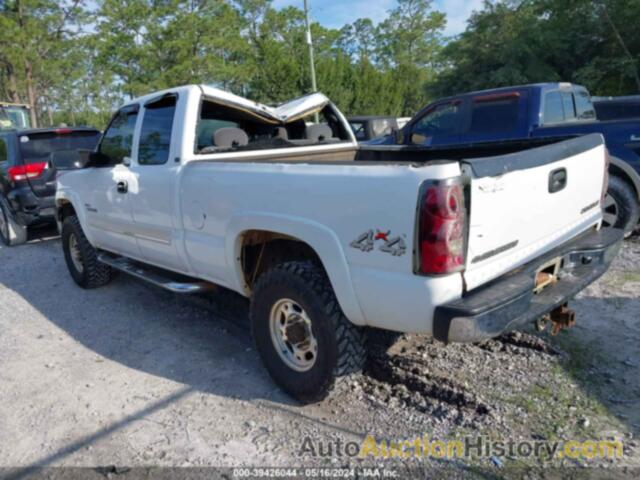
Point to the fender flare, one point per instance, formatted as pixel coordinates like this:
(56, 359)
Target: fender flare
(319, 237)
(70, 197)
(628, 170)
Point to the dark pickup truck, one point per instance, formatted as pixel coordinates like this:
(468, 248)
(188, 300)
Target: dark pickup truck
(534, 111)
(27, 177)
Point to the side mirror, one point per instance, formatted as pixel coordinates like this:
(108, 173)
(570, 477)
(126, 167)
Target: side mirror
(91, 159)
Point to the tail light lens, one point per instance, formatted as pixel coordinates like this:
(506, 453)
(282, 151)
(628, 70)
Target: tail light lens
(26, 172)
(442, 228)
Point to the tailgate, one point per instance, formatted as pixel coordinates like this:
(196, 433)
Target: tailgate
(525, 204)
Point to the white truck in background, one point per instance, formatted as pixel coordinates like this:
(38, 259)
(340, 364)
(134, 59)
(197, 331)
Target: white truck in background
(193, 187)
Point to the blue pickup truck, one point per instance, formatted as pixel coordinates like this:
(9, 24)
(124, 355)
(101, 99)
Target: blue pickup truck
(540, 111)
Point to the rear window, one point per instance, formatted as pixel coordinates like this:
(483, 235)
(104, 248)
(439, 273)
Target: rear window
(493, 115)
(37, 147)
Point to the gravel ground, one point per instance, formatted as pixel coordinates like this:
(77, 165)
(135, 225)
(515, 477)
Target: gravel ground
(130, 375)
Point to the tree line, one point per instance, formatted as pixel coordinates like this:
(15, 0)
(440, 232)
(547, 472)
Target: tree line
(74, 61)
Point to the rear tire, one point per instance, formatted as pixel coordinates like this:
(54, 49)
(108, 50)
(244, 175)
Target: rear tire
(301, 291)
(11, 232)
(621, 207)
(82, 259)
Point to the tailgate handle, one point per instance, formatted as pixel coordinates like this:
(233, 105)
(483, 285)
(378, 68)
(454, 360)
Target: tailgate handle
(557, 180)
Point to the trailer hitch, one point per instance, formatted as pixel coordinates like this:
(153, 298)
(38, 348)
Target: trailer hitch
(562, 317)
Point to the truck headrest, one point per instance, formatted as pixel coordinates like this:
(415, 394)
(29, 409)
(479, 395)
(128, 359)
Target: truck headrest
(281, 132)
(230, 137)
(318, 133)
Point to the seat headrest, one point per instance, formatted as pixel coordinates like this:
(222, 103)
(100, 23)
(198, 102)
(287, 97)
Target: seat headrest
(230, 137)
(318, 133)
(281, 132)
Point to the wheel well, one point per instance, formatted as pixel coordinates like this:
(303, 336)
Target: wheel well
(65, 209)
(620, 173)
(261, 250)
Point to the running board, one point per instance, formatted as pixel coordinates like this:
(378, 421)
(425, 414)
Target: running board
(174, 282)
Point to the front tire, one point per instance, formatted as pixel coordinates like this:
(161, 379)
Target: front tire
(82, 259)
(309, 347)
(11, 232)
(621, 208)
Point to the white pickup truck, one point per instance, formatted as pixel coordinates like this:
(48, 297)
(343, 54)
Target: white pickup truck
(193, 188)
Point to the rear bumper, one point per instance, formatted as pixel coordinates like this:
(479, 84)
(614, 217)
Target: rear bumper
(509, 302)
(30, 209)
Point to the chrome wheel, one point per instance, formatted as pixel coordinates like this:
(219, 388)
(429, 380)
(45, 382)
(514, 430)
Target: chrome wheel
(74, 252)
(610, 211)
(292, 335)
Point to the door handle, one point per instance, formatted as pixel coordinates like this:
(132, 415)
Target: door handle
(123, 186)
(557, 180)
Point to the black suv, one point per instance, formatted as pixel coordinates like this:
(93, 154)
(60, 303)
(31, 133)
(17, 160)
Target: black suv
(27, 178)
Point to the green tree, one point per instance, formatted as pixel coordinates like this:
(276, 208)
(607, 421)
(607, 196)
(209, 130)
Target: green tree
(514, 42)
(37, 50)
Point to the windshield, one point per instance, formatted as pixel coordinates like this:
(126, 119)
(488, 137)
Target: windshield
(37, 147)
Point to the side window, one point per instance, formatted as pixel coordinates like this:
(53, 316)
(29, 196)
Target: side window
(4, 152)
(118, 138)
(358, 130)
(495, 114)
(155, 136)
(584, 107)
(553, 108)
(443, 119)
(569, 109)
(381, 127)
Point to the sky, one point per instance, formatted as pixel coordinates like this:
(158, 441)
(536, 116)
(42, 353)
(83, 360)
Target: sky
(336, 13)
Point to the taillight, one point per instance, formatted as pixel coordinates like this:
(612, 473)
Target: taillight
(605, 181)
(442, 228)
(26, 172)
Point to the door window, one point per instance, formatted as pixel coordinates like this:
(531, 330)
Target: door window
(359, 130)
(443, 119)
(155, 136)
(553, 108)
(584, 107)
(118, 138)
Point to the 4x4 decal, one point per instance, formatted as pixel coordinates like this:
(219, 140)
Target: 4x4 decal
(367, 242)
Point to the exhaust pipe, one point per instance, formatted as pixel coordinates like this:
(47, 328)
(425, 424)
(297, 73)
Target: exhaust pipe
(562, 317)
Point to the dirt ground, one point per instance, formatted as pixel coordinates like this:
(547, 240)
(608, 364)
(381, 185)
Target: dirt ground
(130, 375)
